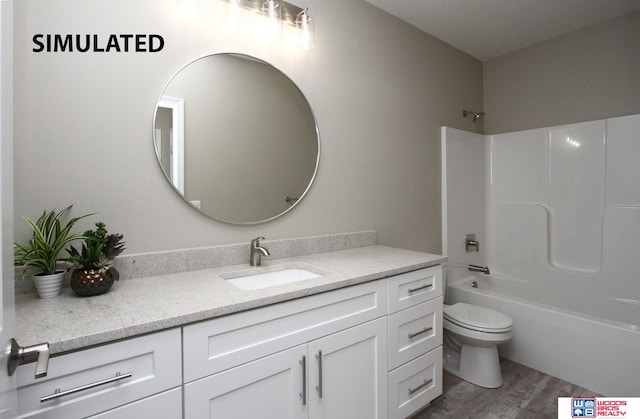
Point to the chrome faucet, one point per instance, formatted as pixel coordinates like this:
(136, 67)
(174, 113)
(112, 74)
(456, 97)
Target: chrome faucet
(257, 251)
(476, 268)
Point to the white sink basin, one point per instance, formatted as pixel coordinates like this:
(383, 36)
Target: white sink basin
(269, 277)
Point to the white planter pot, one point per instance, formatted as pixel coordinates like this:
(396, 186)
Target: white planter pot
(48, 286)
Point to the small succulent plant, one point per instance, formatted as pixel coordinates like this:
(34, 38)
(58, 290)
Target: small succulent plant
(98, 251)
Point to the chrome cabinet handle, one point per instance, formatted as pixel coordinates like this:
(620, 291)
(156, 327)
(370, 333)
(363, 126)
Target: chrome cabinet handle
(423, 385)
(424, 287)
(425, 330)
(59, 393)
(303, 361)
(319, 386)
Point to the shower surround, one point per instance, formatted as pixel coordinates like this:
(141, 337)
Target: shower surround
(557, 213)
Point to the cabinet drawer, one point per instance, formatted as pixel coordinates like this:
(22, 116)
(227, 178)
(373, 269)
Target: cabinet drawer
(413, 385)
(154, 362)
(167, 405)
(411, 288)
(414, 331)
(215, 345)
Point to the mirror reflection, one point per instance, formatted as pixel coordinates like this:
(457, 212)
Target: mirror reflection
(236, 138)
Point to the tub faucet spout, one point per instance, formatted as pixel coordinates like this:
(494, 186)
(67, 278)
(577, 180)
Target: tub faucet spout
(256, 252)
(483, 269)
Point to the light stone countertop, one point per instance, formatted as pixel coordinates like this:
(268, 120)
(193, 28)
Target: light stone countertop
(137, 306)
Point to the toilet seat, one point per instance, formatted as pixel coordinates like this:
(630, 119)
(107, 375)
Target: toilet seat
(477, 318)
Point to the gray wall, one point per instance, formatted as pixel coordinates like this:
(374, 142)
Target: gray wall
(586, 75)
(380, 90)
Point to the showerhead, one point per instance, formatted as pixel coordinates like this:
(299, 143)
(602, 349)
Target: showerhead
(476, 115)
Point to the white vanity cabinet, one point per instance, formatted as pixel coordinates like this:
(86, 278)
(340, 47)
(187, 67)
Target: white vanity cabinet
(322, 356)
(116, 380)
(415, 340)
(339, 376)
(367, 351)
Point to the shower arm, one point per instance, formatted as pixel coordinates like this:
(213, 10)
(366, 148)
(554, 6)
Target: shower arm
(476, 115)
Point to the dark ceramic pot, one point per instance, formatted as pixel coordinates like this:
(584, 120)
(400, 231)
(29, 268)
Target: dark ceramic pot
(88, 282)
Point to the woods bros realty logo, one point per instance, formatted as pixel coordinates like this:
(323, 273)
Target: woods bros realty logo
(126, 42)
(596, 407)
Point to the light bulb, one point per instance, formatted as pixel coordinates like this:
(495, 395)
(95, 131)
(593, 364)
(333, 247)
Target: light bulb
(304, 23)
(189, 7)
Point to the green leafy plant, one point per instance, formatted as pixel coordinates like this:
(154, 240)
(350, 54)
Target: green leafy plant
(50, 237)
(98, 251)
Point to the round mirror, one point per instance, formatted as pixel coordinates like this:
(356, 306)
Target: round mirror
(236, 138)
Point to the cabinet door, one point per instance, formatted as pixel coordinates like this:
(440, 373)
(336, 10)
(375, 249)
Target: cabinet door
(268, 388)
(348, 373)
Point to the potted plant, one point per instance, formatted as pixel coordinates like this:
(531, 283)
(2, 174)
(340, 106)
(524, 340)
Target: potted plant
(42, 253)
(93, 272)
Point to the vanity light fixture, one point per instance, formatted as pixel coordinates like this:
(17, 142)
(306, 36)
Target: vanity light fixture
(277, 14)
(189, 7)
(273, 11)
(234, 12)
(304, 22)
(236, 4)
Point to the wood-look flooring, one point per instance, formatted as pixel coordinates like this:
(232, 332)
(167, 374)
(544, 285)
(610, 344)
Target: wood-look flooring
(525, 394)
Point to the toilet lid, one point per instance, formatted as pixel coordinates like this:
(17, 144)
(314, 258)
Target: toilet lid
(478, 318)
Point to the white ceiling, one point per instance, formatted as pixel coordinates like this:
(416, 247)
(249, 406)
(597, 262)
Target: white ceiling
(487, 29)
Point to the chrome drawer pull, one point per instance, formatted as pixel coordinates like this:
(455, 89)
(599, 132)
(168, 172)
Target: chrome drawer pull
(319, 386)
(423, 385)
(303, 361)
(425, 330)
(59, 393)
(424, 287)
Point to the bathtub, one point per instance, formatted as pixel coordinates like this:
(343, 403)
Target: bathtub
(599, 351)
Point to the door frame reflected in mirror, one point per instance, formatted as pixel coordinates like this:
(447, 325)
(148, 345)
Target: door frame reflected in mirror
(176, 140)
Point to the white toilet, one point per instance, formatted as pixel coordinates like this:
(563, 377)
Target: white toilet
(471, 337)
